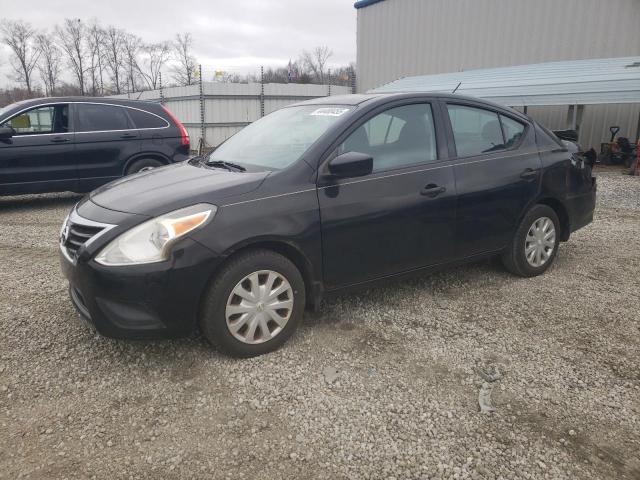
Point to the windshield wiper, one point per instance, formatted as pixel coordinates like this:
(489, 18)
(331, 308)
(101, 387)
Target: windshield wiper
(228, 165)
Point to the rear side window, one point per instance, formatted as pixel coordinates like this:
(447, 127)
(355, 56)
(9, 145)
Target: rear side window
(475, 130)
(145, 120)
(512, 129)
(98, 118)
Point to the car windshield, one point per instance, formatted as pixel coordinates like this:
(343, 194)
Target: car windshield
(5, 109)
(280, 138)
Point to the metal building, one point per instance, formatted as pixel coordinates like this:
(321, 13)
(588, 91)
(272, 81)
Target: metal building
(400, 38)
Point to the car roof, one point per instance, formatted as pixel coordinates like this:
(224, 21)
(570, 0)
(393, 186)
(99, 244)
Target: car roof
(374, 98)
(116, 101)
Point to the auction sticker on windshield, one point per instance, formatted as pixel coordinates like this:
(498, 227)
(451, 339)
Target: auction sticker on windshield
(329, 111)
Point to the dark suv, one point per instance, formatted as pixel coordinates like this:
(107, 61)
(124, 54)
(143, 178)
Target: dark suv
(314, 198)
(78, 144)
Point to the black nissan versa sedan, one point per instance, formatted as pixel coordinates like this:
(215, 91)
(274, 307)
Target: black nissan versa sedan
(315, 197)
(79, 143)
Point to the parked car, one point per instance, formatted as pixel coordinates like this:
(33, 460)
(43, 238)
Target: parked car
(79, 143)
(314, 198)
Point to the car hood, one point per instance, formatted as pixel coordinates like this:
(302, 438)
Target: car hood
(165, 189)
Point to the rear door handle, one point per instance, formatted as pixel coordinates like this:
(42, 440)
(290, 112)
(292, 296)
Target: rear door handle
(432, 190)
(128, 135)
(529, 174)
(60, 139)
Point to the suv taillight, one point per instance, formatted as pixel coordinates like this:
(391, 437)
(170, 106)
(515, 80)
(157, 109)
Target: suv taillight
(184, 136)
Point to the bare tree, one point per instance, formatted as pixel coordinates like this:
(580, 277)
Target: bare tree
(315, 61)
(72, 42)
(184, 71)
(131, 47)
(155, 56)
(49, 63)
(96, 54)
(115, 56)
(19, 36)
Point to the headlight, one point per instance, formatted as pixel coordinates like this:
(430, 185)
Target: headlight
(151, 241)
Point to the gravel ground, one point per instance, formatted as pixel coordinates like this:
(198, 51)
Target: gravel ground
(379, 384)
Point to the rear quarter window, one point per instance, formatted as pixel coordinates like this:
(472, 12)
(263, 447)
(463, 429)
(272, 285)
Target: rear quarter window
(143, 119)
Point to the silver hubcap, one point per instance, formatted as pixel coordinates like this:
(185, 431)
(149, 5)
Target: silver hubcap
(259, 307)
(146, 169)
(540, 242)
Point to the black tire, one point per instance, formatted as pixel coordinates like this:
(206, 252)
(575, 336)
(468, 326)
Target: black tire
(514, 258)
(213, 321)
(143, 164)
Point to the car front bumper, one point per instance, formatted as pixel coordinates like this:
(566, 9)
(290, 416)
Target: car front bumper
(142, 301)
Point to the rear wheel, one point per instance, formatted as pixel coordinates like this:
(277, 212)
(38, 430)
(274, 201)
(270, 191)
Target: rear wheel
(535, 244)
(254, 304)
(143, 165)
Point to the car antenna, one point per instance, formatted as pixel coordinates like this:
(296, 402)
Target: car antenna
(456, 89)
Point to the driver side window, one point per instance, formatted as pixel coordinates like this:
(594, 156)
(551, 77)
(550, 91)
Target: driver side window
(399, 137)
(41, 120)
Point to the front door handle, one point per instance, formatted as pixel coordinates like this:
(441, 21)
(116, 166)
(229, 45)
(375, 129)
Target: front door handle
(128, 135)
(529, 174)
(60, 139)
(432, 190)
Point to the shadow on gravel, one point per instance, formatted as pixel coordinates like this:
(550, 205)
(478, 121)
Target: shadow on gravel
(34, 202)
(446, 281)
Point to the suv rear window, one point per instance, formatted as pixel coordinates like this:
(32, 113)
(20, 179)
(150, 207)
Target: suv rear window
(145, 119)
(97, 118)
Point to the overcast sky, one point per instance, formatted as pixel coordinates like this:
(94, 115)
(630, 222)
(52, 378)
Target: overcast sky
(230, 35)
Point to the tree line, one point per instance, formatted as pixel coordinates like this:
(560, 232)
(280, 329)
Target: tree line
(85, 58)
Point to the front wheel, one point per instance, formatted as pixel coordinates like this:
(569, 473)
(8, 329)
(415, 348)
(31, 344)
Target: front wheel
(535, 244)
(254, 304)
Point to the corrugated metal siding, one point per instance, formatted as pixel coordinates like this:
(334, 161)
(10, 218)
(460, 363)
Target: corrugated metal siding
(397, 38)
(596, 120)
(230, 106)
(573, 82)
(591, 83)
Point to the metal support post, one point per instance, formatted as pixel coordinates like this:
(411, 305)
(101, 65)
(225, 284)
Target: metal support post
(202, 129)
(261, 91)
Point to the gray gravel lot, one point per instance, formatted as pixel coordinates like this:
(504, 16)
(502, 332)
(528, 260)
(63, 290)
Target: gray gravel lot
(380, 384)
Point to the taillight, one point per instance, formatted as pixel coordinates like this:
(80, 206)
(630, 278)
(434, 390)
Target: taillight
(184, 136)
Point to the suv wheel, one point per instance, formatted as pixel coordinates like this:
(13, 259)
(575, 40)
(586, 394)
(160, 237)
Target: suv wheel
(254, 304)
(143, 165)
(535, 244)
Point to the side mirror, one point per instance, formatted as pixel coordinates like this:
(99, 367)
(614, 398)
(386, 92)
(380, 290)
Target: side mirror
(6, 133)
(351, 164)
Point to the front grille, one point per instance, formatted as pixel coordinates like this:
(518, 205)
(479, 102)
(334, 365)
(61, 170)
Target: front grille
(77, 231)
(78, 235)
